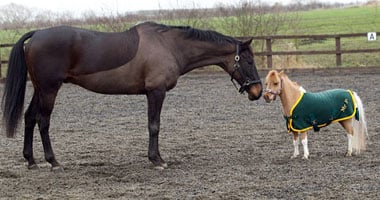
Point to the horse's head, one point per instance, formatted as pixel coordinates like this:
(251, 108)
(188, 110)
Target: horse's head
(244, 71)
(273, 83)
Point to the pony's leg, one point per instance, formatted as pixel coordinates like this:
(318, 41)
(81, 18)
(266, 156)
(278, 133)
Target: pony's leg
(30, 123)
(296, 143)
(155, 101)
(347, 125)
(43, 120)
(304, 144)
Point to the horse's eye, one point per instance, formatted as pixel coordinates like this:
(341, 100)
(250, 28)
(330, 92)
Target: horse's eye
(275, 84)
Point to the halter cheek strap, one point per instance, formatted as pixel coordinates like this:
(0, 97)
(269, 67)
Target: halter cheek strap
(247, 81)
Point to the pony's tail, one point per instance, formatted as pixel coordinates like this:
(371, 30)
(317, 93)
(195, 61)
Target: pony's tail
(359, 127)
(15, 84)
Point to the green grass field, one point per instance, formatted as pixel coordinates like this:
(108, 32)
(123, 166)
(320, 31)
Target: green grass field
(321, 21)
(339, 21)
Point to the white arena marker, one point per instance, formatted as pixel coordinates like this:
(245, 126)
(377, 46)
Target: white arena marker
(371, 36)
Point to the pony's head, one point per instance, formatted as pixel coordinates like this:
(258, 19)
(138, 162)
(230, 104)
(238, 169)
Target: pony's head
(273, 83)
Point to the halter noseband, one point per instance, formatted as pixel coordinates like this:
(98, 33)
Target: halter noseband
(248, 82)
(275, 93)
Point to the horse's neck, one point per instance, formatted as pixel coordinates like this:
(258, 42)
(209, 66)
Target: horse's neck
(203, 56)
(289, 95)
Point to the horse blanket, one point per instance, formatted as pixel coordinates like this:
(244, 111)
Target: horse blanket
(316, 110)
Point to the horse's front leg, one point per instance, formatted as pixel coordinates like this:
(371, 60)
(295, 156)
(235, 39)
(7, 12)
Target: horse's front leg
(304, 144)
(296, 143)
(155, 100)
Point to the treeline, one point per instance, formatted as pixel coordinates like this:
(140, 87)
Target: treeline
(14, 16)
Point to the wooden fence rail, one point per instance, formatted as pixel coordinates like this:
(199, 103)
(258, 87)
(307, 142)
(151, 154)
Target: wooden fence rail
(1, 59)
(337, 51)
(268, 52)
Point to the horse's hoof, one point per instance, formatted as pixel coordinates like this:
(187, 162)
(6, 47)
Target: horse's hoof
(33, 167)
(293, 156)
(348, 154)
(57, 169)
(161, 166)
(305, 158)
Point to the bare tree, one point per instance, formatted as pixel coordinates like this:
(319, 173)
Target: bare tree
(14, 15)
(194, 17)
(252, 18)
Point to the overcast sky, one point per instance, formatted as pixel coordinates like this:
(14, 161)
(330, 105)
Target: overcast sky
(80, 6)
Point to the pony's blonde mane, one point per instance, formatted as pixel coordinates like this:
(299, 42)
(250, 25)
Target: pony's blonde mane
(284, 76)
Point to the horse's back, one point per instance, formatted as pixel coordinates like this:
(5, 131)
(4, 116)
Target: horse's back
(76, 51)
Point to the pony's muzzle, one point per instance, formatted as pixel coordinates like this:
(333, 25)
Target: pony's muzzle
(269, 97)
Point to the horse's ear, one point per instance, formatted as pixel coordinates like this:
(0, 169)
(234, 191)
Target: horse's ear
(272, 73)
(245, 40)
(282, 73)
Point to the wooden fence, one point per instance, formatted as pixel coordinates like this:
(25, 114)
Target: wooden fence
(269, 53)
(337, 51)
(2, 60)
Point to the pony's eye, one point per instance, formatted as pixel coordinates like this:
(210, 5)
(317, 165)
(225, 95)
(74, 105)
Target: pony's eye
(275, 84)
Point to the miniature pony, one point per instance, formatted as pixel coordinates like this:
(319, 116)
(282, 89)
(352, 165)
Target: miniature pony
(305, 110)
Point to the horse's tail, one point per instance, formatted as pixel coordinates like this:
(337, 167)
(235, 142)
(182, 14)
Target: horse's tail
(15, 84)
(360, 127)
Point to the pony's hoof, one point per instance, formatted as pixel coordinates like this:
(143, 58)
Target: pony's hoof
(305, 158)
(161, 166)
(293, 156)
(57, 169)
(33, 167)
(348, 154)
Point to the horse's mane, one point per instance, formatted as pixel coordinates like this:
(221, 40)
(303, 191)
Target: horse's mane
(197, 34)
(283, 75)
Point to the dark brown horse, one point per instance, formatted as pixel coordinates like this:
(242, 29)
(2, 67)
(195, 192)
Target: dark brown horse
(146, 59)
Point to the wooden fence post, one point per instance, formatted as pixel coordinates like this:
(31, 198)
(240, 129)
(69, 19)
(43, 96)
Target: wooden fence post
(269, 52)
(338, 52)
(1, 75)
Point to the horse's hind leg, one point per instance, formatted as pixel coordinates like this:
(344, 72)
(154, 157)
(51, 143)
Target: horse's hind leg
(304, 144)
(39, 111)
(45, 107)
(43, 119)
(347, 125)
(30, 123)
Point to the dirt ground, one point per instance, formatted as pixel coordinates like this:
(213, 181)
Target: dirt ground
(218, 144)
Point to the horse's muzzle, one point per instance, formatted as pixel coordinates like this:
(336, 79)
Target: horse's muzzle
(255, 91)
(269, 97)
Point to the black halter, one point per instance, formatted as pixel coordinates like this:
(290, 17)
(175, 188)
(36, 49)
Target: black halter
(248, 82)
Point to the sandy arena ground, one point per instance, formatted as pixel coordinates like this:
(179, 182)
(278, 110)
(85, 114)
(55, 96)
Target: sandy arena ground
(218, 144)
